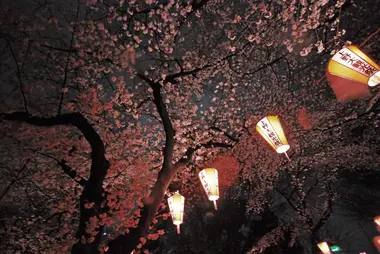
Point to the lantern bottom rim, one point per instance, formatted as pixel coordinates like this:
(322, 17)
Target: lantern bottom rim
(374, 79)
(212, 198)
(283, 148)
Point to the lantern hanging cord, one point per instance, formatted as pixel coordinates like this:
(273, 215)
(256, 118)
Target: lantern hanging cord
(215, 206)
(287, 156)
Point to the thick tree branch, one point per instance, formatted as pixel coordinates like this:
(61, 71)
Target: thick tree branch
(93, 190)
(126, 243)
(171, 78)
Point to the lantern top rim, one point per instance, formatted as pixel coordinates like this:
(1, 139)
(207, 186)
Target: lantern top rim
(176, 193)
(205, 169)
(266, 117)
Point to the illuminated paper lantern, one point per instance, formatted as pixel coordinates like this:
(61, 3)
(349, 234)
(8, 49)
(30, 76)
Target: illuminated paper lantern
(377, 221)
(270, 128)
(351, 63)
(176, 205)
(376, 242)
(324, 247)
(209, 180)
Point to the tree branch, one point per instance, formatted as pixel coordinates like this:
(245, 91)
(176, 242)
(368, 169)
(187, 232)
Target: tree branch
(225, 134)
(188, 156)
(126, 243)
(14, 180)
(93, 190)
(19, 76)
(68, 61)
(68, 170)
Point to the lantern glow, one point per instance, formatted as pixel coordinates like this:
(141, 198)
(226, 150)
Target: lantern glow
(209, 180)
(376, 242)
(335, 248)
(176, 205)
(324, 247)
(351, 63)
(377, 220)
(270, 129)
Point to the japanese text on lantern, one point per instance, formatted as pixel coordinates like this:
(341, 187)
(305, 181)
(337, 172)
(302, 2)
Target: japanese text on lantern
(170, 202)
(355, 62)
(269, 131)
(204, 183)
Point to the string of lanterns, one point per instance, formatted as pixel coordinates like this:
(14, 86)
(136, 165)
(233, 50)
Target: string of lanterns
(209, 180)
(349, 63)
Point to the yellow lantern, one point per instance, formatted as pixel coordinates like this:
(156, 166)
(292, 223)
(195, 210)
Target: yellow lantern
(176, 205)
(324, 247)
(270, 128)
(209, 180)
(351, 63)
(377, 221)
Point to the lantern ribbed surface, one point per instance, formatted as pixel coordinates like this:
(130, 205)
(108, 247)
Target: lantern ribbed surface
(176, 205)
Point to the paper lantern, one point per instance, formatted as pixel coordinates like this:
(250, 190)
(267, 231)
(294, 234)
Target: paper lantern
(209, 180)
(176, 205)
(377, 221)
(351, 63)
(324, 247)
(270, 128)
(376, 242)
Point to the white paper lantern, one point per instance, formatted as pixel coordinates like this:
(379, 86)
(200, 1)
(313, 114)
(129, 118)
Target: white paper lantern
(176, 205)
(270, 129)
(209, 180)
(324, 247)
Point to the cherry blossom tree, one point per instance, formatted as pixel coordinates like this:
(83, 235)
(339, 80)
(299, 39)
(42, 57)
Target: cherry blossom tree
(106, 105)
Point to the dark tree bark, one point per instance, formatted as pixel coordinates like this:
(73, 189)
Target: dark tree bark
(93, 188)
